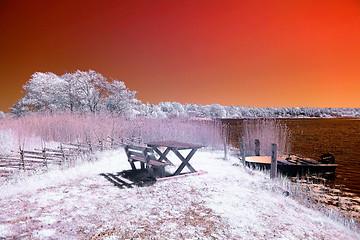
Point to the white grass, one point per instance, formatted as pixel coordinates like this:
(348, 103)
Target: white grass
(226, 203)
(7, 142)
(35, 129)
(267, 131)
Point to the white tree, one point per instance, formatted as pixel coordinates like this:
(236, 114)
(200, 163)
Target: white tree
(81, 91)
(89, 88)
(42, 92)
(120, 99)
(179, 108)
(155, 111)
(217, 111)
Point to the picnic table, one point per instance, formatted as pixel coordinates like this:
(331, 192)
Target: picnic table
(176, 147)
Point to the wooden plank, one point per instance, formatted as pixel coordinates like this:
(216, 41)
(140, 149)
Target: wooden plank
(33, 157)
(9, 159)
(27, 161)
(75, 150)
(71, 152)
(47, 150)
(50, 160)
(143, 155)
(57, 157)
(286, 162)
(138, 154)
(136, 158)
(175, 144)
(9, 155)
(157, 163)
(139, 148)
(33, 152)
(180, 176)
(10, 166)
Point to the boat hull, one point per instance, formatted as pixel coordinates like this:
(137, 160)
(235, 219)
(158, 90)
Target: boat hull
(289, 168)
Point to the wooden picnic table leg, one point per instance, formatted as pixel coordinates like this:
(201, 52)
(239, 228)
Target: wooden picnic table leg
(185, 161)
(132, 165)
(162, 155)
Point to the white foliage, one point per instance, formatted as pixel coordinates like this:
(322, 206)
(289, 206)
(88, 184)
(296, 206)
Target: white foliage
(86, 91)
(89, 88)
(89, 91)
(216, 111)
(120, 99)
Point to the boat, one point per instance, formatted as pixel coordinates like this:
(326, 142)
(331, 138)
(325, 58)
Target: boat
(295, 166)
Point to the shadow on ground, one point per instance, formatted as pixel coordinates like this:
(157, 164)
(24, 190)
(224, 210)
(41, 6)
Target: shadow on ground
(131, 178)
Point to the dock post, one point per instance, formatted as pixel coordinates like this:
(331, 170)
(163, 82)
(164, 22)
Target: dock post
(273, 170)
(257, 147)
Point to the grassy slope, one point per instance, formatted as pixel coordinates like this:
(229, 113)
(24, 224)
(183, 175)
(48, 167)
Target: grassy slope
(226, 203)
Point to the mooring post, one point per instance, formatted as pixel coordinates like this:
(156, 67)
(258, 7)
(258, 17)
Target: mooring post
(273, 170)
(257, 147)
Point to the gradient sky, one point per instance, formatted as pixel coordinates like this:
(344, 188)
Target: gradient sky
(249, 53)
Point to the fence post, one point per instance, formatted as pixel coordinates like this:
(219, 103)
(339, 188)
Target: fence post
(242, 149)
(63, 153)
(90, 146)
(44, 156)
(101, 144)
(273, 170)
(22, 161)
(257, 147)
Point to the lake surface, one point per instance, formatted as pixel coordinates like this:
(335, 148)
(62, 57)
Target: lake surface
(314, 137)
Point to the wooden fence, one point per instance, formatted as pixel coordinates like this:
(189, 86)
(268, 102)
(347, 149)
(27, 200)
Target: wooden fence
(25, 160)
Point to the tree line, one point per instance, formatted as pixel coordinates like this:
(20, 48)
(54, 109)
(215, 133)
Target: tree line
(85, 91)
(89, 91)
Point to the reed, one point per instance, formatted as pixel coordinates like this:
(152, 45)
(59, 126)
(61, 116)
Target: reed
(80, 127)
(268, 132)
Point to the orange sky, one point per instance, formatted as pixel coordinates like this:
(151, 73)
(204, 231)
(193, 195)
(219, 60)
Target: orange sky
(248, 53)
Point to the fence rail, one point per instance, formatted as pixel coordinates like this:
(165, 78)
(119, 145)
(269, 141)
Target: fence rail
(66, 153)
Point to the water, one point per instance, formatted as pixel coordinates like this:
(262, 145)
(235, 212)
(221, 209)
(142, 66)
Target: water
(314, 137)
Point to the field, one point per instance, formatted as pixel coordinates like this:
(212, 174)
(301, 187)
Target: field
(78, 202)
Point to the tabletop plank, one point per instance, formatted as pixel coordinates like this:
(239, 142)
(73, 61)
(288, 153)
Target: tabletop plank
(175, 144)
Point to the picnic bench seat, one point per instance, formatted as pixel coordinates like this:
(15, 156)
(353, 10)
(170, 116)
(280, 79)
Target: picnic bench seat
(146, 157)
